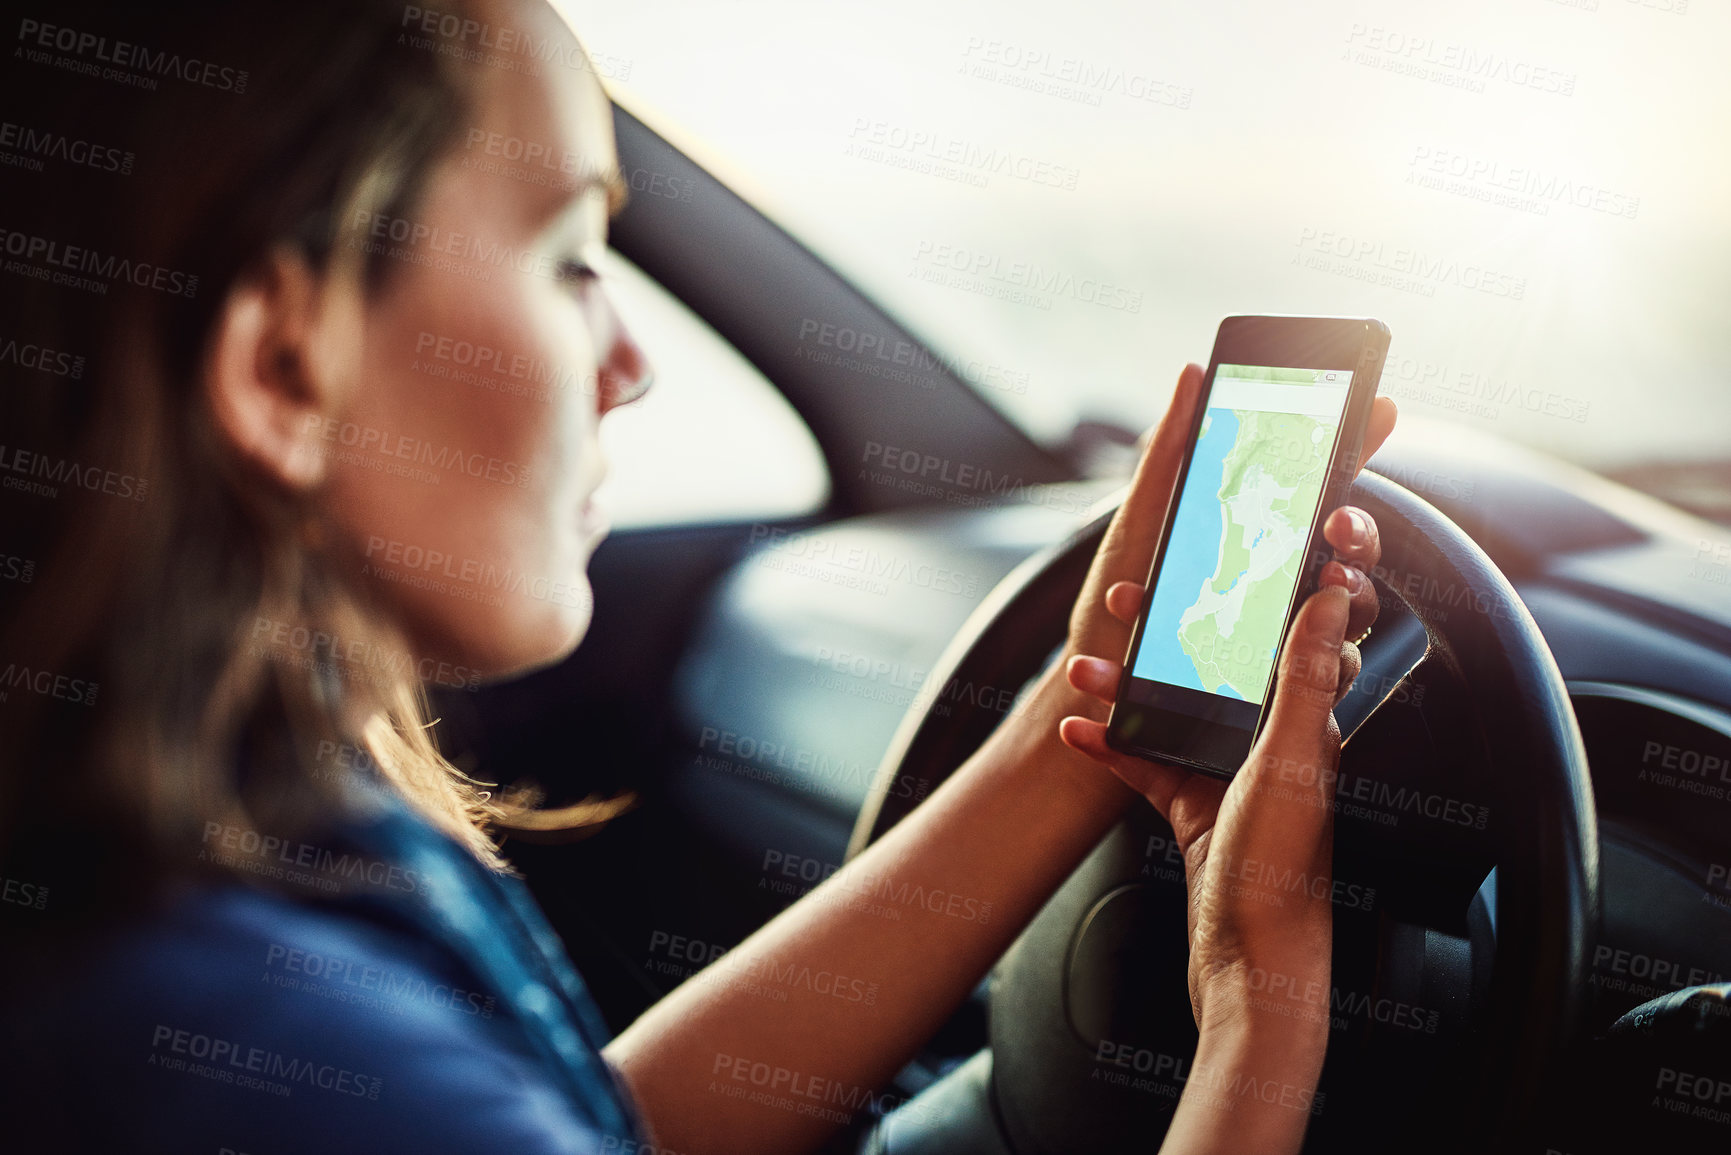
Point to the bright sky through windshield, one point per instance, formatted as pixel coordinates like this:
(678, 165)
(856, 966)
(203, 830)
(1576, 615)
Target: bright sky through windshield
(1532, 194)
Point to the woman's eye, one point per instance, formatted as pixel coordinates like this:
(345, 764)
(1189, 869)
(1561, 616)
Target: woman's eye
(575, 272)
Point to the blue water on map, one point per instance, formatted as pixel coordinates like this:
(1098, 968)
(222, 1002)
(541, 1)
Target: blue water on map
(1190, 560)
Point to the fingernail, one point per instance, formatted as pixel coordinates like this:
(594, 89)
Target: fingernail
(1360, 531)
(1335, 574)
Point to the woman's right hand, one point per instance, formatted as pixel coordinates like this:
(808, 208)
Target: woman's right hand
(1258, 856)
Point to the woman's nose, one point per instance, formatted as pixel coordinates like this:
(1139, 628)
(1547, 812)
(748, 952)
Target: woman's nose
(624, 374)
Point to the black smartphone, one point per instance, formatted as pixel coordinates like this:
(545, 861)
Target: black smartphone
(1275, 443)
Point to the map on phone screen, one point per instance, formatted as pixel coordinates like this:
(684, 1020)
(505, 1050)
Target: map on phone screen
(1238, 538)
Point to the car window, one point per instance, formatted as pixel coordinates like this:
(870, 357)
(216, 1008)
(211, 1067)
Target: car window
(1532, 195)
(712, 440)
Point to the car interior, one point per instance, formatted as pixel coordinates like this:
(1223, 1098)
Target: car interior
(1532, 836)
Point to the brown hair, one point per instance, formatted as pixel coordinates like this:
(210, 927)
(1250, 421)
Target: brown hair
(183, 648)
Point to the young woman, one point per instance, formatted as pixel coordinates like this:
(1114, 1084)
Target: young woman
(249, 906)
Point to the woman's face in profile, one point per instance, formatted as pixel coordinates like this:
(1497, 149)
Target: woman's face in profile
(460, 471)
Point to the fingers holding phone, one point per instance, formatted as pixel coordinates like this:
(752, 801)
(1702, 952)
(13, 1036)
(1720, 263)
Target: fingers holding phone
(1357, 550)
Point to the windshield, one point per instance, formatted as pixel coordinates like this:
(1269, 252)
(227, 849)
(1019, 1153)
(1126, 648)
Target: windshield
(1065, 200)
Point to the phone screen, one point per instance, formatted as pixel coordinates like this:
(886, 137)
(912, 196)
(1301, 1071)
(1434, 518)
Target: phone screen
(1232, 561)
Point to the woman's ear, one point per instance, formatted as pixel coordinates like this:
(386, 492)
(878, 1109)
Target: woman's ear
(277, 363)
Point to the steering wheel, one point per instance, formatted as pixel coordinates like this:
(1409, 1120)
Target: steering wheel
(1466, 879)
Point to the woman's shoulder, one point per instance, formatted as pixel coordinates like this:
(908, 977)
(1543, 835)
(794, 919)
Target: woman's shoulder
(254, 1020)
(224, 946)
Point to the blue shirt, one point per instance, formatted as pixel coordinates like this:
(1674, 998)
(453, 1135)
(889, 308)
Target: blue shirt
(420, 1004)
